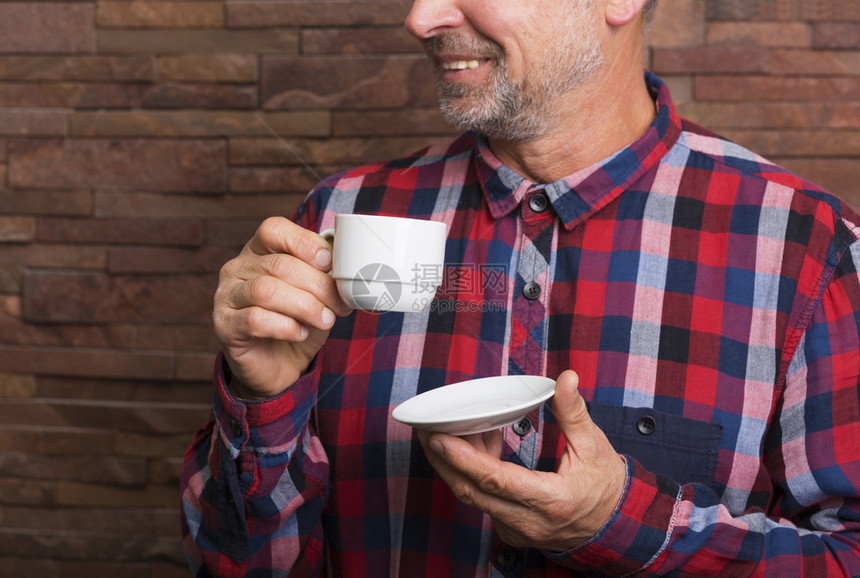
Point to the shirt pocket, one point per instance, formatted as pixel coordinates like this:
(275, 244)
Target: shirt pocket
(682, 449)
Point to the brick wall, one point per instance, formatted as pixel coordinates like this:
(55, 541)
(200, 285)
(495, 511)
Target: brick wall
(142, 142)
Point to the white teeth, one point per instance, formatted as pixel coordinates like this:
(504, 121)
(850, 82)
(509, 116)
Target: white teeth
(461, 65)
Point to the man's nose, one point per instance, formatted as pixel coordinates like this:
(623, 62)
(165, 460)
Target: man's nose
(427, 18)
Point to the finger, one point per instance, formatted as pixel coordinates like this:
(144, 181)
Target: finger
(280, 235)
(480, 478)
(266, 303)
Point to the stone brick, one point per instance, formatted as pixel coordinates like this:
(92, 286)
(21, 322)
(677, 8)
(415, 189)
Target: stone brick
(16, 332)
(357, 82)
(234, 206)
(130, 390)
(271, 41)
(97, 298)
(783, 10)
(134, 444)
(836, 35)
(271, 179)
(765, 88)
(348, 151)
(16, 229)
(123, 471)
(181, 232)
(413, 121)
(145, 14)
(96, 519)
(316, 13)
(46, 202)
(136, 417)
(90, 546)
(358, 41)
(32, 123)
(166, 260)
(160, 165)
(208, 67)
(772, 34)
(80, 362)
(797, 143)
(22, 439)
(62, 256)
(678, 23)
(230, 232)
(839, 176)
(198, 123)
(51, 27)
(77, 494)
(17, 385)
(71, 68)
(31, 492)
(97, 95)
(194, 366)
(816, 63)
(65, 568)
(180, 338)
(787, 115)
(710, 59)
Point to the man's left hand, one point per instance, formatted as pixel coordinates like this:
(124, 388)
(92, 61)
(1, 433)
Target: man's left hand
(544, 510)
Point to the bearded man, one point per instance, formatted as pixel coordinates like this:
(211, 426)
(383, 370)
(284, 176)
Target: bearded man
(697, 304)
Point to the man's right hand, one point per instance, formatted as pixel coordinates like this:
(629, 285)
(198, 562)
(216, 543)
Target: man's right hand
(274, 307)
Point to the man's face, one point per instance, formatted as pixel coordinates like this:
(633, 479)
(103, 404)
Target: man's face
(502, 65)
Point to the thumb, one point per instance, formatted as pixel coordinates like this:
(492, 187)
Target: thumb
(568, 406)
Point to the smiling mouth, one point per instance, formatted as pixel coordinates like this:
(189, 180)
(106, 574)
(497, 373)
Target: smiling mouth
(461, 65)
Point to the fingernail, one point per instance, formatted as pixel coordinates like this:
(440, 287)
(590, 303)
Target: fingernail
(437, 447)
(323, 258)
(328, 316)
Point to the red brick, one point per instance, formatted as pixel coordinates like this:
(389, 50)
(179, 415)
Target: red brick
(128, 521)
(76, 494)
(167, 260)
(839, 176)
(132, 444)
(208, 67)
(358, 41)
(678, 24)
(348, 151)
(110, 470)
(71, 68)
(98, 95)
(198, 123)
(16, 332)
(356, 82)
(50, 27)
(151, 164)
(271, 179)
(29, 123)
(419, 122)
(46, 202)
(230, 232)
(17, 385)
(181, 232)
(771, 34)
(316, 13)
(65, 568)
(16, 229)
(776, 115)
(134, 417)
(71, 361)
(240, 207)
(194, 366)
(271, 41)
(30, 492)
(795, 143)
(22, 439)
(90, 388)
(62, 256)
(146, 14)
(816, 63)
(709, 59)
(765, 88)
(836, 35)
(98, 298)
(84, 545)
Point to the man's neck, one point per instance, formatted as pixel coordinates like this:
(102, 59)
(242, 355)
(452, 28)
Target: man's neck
(595, 121)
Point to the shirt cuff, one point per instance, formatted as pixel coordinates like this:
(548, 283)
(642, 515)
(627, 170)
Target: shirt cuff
(270, 426)
(637, 533)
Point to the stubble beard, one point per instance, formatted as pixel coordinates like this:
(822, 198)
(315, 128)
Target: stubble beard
(515, 111)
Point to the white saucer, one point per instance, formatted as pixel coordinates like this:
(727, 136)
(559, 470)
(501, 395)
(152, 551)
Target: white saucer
(477, 405)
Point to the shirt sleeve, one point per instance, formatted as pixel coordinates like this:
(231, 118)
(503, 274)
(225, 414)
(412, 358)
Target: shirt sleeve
(254, 485)
(810, 465)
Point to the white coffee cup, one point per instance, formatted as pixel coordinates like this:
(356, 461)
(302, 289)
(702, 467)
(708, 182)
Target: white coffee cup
(387, 263)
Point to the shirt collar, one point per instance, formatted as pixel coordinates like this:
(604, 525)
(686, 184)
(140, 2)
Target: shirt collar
(579, 195)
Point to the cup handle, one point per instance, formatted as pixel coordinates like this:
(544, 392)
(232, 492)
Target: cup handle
(328, 234)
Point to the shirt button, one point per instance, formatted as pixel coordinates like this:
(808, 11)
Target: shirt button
(531, 290)
(523, 427)
(507, 558)
(538, 202)
(646, 425)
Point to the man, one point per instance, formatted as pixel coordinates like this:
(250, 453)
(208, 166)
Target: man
(698, 305)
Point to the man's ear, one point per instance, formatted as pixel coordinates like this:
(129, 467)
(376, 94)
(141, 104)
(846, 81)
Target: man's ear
(621, 12)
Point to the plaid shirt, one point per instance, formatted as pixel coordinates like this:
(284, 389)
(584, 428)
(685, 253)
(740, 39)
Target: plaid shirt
(709, 301)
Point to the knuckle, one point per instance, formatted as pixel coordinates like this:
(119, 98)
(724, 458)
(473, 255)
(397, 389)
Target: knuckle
(261, 289)
(492, 483)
